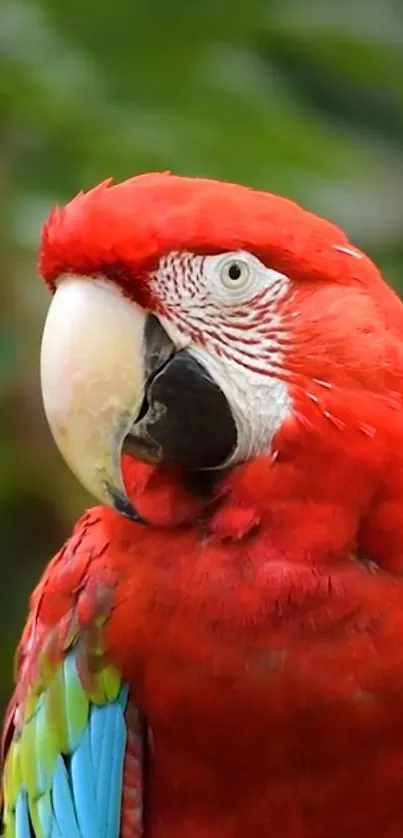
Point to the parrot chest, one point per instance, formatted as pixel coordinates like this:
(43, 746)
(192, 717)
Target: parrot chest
(273, 703)
(258, 754)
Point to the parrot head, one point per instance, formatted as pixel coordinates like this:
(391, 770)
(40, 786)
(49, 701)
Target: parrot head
(200, 325)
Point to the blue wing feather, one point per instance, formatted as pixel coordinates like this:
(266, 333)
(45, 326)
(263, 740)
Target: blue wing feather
(22, 817)
(73, 795)
(87, 798)
(83, 786)
(63, 802)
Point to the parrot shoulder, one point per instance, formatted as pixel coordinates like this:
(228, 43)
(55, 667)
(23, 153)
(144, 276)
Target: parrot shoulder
(72, 740)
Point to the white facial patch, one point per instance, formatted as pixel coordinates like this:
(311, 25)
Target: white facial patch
(226, 309)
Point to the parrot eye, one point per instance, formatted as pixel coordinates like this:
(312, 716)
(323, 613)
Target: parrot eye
(235, 274)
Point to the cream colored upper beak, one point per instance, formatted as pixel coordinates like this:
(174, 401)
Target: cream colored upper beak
(92, 378)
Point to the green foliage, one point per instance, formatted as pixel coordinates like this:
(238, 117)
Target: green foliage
(305, 99)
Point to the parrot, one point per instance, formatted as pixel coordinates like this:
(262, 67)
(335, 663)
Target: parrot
(217, 649)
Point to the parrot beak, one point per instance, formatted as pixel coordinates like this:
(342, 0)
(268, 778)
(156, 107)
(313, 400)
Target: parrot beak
(113, 381)
(92, 380)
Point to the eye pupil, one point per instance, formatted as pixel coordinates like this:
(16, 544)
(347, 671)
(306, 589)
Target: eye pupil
(234, 271)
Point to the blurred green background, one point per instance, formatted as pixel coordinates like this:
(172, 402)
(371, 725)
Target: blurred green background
(301, 97)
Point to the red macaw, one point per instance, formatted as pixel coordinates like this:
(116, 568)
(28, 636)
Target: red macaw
(217, 651)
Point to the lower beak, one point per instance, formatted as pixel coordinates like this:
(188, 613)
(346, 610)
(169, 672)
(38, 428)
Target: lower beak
(111, 378)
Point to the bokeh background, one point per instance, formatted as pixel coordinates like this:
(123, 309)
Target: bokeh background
(301, 97)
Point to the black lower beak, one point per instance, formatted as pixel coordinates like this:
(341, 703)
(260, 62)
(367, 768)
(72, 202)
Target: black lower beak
(185, 418)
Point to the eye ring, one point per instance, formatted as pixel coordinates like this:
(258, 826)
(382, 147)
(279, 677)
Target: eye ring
(235, 274)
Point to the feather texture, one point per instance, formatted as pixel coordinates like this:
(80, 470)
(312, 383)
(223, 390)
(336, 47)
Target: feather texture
(63, 774)
(72, 742)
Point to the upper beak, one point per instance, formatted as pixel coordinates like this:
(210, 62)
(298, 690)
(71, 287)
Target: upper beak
(92, 379)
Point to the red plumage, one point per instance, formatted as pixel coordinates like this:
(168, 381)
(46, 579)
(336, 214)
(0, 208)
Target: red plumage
(130, 225)
(261, 625)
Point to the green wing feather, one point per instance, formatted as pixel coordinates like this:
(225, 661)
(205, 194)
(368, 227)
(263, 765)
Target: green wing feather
(62, 741)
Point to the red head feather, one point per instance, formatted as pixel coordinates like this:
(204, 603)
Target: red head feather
(122, 231)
